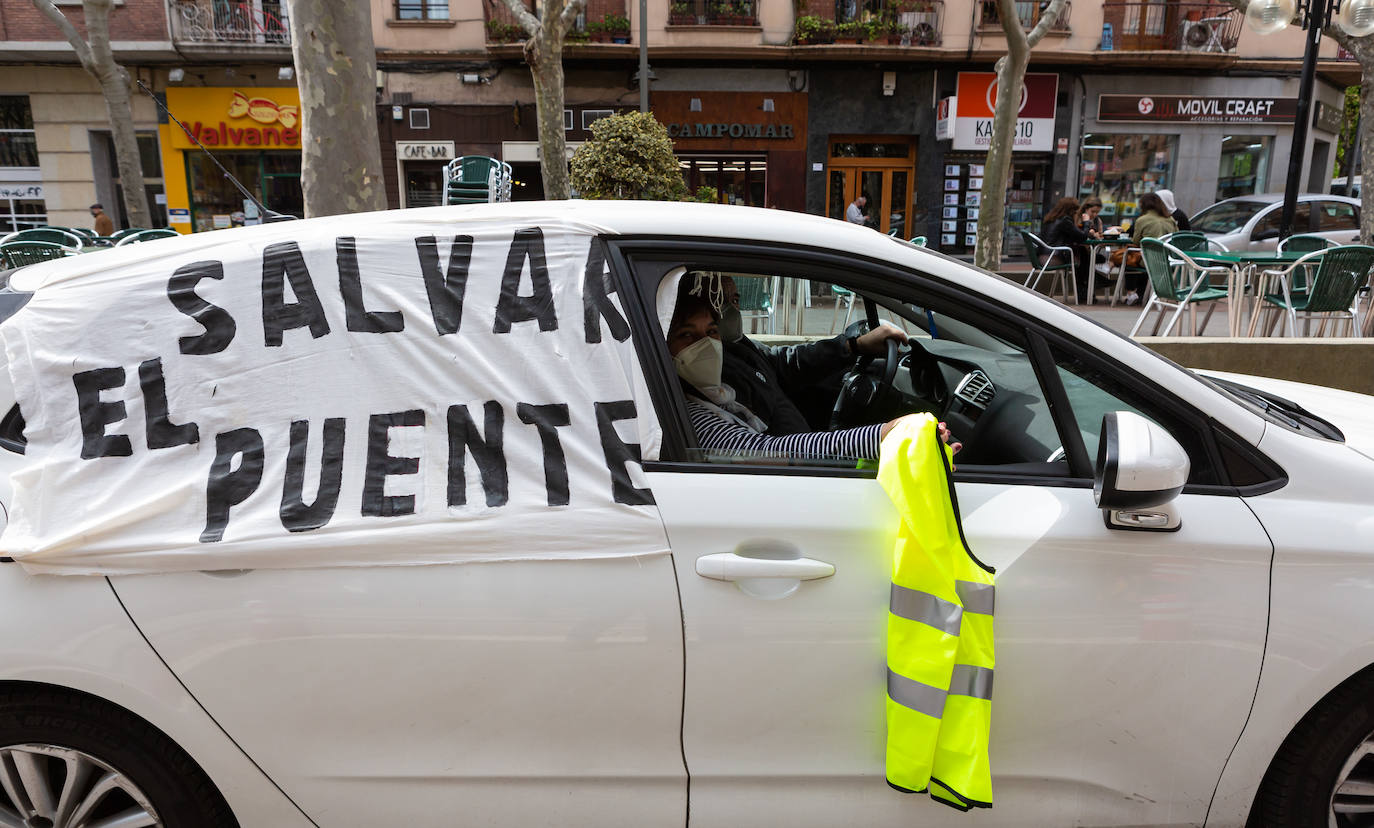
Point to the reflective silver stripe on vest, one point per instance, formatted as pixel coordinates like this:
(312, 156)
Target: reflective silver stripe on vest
(976, 597)
(913, 694)
(914, 605)
(969, 681)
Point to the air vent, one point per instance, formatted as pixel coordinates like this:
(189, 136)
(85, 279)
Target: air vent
(402, 98)
(419, 119)
(976, 388)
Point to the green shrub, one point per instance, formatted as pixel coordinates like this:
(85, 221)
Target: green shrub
(629, 156)
(615, 23)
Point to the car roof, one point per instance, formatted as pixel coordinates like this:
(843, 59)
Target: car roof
(1271, 198)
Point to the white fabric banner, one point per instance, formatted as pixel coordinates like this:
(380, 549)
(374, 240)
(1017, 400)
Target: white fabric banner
(413, 387)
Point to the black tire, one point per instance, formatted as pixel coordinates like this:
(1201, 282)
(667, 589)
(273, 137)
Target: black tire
(1298, 787)
(58, 720)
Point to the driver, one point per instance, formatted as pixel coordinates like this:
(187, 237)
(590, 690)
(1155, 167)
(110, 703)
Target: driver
(765, 377)
(722, 423)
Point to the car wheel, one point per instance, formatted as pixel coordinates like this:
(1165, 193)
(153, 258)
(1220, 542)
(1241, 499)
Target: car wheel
(1324, 773)
(68, 759)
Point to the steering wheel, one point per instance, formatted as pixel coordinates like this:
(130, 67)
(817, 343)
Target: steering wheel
(859, 391)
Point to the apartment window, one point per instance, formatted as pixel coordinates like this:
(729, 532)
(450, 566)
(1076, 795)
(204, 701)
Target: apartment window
(422, 9)
(18, 147)
(20, 213)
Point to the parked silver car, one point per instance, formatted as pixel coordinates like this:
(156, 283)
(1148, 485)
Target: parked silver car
(1252, 222)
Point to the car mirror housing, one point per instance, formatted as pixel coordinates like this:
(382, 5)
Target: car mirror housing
(1139, 464)
(1264, 235)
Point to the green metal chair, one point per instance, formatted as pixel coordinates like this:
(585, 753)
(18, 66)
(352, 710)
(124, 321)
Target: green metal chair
(1057, 261)
(1339, 275)
(147, 235)
(474, 179)
(21, 253)
(1305, 243)
(1191, 241)
(1178, 282)
(52, 235)
(119, 234)
(919, 241)
(755, 299)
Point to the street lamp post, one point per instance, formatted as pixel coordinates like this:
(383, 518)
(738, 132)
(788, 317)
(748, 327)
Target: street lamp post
(1356, 17)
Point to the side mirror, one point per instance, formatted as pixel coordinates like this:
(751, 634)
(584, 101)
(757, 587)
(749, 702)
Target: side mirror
(1264, 235)
(1139, 465)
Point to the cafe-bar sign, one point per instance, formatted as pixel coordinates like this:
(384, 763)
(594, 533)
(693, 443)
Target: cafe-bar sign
(1196, 109)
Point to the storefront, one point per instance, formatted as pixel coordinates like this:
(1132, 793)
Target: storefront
(966, 119)
(420, 168)
(21, 186)
(1206, 139)
(750, 147)
(254, 133)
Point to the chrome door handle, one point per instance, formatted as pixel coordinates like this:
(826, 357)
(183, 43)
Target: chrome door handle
(730, 566)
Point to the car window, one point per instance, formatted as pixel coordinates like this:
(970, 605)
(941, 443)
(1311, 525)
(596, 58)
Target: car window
(1337, 215)
(1226, 217)
(1094, 389)
(1269, 223)
(783, 378)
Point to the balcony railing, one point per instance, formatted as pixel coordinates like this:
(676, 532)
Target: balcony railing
(1170, 26)
(875, 22)
(603, 21)
(1029, 12)
(713, 13)
(249, 22)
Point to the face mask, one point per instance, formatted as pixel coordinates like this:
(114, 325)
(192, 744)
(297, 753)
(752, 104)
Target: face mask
(731, 324)
(699, 363)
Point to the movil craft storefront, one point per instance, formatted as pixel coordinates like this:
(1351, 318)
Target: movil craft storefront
(253, 132)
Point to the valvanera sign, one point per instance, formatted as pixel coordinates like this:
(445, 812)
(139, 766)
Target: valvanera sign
(700, 130)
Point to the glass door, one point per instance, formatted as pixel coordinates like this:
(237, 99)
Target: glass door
(882, 172)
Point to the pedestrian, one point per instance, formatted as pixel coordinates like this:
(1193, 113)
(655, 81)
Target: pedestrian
(1180, 218)
(104, 225)
(854, 213)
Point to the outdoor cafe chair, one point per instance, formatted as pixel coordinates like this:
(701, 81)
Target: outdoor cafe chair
(20, 253)
(755, 299)
(1304, 243)
(919, 241)
(52, 235)
(147, 235)
(1339, 274)
(1191, 241)
(1047, 259)
(1178, 282)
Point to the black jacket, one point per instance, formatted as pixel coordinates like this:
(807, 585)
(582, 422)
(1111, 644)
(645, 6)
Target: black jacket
(766, 378)
(1063, 233)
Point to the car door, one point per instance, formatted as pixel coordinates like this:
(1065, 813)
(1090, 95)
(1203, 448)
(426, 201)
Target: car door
(1265, 232)
(1126, 660)
(1338, 221)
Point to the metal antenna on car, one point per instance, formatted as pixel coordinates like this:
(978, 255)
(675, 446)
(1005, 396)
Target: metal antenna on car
(267, 215)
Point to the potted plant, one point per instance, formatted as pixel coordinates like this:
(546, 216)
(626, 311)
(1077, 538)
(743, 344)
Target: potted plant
(682, 13)
(617, 26)
(743, 13)
(807, 30)
(851, 31)
(576, 35)
(895, 32)
(596, 30)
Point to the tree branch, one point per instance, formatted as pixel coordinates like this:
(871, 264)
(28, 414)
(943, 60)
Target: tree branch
(58, 19)
(523, 15)
(570, 12)
(1048, 17)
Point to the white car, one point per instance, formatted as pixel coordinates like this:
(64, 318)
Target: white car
(570, 658)
(1252, 222)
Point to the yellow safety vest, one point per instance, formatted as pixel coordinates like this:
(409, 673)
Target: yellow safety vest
(939, 629)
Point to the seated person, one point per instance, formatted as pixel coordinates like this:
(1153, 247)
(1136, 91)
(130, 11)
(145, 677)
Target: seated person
(765, 378)
(1061, 229)
(721, 423)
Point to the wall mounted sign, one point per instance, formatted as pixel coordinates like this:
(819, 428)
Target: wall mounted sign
(1328, 118)
(21, 190)
(1200, 109)
(976, 104)
(425, 150)
(944, 119)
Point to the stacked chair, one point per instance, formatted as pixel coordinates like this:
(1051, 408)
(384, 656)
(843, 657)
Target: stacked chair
(476, 179)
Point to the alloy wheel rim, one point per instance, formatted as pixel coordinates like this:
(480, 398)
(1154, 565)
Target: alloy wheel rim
(1352, 798)
(48, 786)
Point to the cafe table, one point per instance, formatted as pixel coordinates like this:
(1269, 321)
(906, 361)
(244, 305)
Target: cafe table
(1243, 263)
(1109, 242)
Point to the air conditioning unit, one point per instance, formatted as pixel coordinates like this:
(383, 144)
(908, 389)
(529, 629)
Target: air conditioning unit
(1202, 35)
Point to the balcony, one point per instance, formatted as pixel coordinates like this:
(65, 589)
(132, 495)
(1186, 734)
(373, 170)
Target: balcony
(1171, 26)
(604, 21)
(871, 22)
(1028, 12)
(713, 13)
(251, 24)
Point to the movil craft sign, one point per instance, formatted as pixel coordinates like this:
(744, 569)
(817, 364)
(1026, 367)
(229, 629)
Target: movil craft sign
(975, 105)
(1203, 109)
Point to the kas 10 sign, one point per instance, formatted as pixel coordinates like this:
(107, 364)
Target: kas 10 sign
(976, 103)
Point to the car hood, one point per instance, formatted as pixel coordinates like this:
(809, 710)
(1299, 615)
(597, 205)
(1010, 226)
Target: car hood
(1352, 413)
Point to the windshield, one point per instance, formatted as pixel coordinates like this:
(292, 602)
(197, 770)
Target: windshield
(1226, 217)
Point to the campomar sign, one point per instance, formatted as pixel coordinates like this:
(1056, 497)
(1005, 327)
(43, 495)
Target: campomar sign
(1217, 109)
(703, 130)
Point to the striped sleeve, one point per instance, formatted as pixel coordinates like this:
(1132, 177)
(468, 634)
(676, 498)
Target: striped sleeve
(717, 435)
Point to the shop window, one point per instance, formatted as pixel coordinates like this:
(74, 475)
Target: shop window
(274, 178)
(1244, 165)
(737, 179)
(422, 9)
(22, 213)
(150, 161)
(18, 146)
(961, 202)
(424, 183)
(1118, 169)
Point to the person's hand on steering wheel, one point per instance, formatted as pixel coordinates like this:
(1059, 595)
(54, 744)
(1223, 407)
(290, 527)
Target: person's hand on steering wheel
(874, 342)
